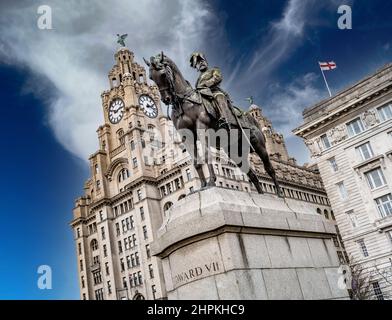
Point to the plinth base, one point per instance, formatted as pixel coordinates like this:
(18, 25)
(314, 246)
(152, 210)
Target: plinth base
(222, 244)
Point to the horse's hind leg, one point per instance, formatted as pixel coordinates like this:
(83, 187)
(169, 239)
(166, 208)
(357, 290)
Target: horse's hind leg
(258, 143)
(255, 180)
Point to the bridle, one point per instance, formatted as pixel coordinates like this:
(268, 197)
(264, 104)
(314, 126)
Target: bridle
(177, 99)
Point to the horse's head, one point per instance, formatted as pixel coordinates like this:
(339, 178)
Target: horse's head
(162, 74)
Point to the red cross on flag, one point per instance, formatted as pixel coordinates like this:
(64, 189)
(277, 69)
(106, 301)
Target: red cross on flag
(327, 66)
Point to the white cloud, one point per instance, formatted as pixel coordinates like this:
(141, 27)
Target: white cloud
(76, 55)
(287, 103)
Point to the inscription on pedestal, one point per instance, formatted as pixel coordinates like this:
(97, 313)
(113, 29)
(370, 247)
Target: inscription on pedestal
(196, 273)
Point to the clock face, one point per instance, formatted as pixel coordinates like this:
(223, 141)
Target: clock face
(116, 111)
(148, 105)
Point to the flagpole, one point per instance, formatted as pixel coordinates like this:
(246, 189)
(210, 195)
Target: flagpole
(326, 83)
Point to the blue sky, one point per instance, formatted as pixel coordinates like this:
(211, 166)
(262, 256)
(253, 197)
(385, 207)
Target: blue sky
(50, 85)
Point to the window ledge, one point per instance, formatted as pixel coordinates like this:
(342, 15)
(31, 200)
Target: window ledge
(383, 223)
(369, 161)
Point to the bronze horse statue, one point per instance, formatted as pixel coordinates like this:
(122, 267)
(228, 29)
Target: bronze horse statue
(193, 116)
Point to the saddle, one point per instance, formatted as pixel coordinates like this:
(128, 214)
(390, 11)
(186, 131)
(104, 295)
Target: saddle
(206, 98)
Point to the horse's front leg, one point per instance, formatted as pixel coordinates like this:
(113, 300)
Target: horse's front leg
(204, 139)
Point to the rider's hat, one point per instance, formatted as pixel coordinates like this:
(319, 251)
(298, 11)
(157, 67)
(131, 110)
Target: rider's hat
(196, 57)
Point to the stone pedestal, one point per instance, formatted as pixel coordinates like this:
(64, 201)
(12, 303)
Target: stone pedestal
(223, 244)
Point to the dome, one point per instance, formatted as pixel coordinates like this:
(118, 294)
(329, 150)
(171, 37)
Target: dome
(254, 107)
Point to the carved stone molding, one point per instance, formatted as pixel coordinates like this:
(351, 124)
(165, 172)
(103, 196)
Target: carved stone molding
(370, 119)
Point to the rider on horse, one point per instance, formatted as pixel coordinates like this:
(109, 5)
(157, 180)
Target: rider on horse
(208, 86)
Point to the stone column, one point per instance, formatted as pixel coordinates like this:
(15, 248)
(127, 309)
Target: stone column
(222, 244)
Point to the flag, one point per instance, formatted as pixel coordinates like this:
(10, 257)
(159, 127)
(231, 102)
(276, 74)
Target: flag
(327, 66)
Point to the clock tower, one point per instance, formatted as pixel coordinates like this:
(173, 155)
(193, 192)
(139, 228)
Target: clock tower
(117, 218)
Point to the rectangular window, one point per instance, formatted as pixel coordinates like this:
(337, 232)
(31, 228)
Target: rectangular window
(128, 262)
(82, 281)
(99, 294)
(134, 162)
(81, 265)
(384, 205)
(325, 141)
(342, 191)
(385, 112)
(125, 283)
(131, 281)
(142, 213)
(137, 260)
(80, 248)
(97, 277)
(151, 271)
(188, 174)
(131, 223)
(139, 278)
(377, 291)
(139, 194)
(352, 218)
(148, 253)
(375, 178)
(333, 164)
(122, 264)
(126, 244)
(107, 268)
(154, 291)
(109, 287)
(132, 145)
(363, 248)
(120, 247)
(145, 232)
(355, 127)
(103, 233)
(105, 251)
(365, 151)
(118, 229)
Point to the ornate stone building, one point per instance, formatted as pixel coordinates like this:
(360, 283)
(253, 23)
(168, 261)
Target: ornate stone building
(139, 172)
(350, 139)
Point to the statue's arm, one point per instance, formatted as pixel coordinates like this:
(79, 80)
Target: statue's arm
(216, 78)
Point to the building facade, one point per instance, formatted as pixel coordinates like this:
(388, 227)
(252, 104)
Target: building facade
(140, 171)
(350, 139)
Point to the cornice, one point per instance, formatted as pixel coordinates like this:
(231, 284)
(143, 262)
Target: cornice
(338, 113)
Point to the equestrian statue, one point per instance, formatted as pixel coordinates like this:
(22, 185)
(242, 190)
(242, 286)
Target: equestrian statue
(208, 107)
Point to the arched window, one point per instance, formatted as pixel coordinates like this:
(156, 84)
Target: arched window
(326, 214)
(123, 175)
(333, 216)
(166, 207)
(181, 197)
(319, 211)
(120, 136)
(94, 245)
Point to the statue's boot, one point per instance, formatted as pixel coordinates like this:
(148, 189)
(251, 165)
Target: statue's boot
(224, 111)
